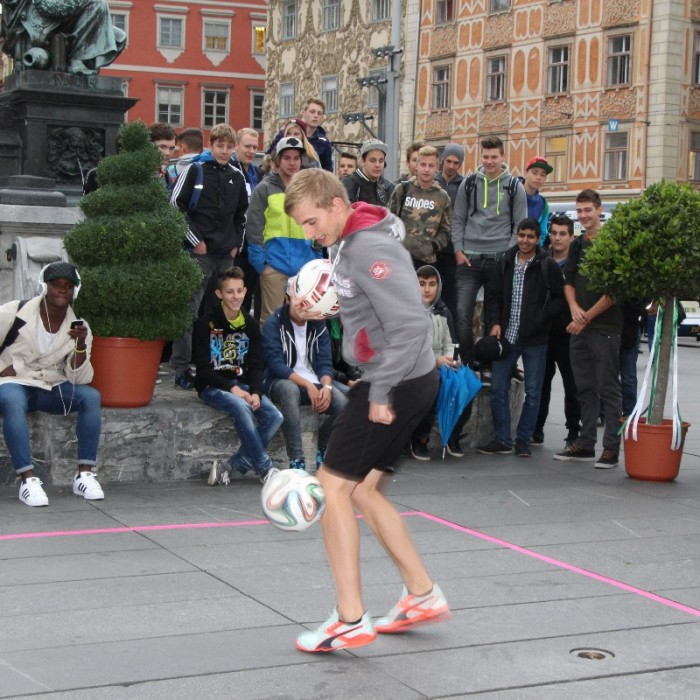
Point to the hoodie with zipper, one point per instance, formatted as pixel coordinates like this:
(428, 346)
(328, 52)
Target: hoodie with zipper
(274, 238)
(486, 227)
(386, 332)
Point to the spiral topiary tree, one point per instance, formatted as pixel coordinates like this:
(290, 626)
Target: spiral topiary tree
(650, 247)
(137, 281)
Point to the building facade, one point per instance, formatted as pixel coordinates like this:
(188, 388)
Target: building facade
(607, 90)
(324, 48)
(193, 63)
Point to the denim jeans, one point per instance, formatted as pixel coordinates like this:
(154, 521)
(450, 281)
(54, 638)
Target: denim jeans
(289, 396)
(210, 265)
(534, 360)
(16, 400)
(468, 281)
(255, 428)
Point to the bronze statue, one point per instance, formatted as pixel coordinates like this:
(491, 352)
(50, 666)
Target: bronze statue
(76, 36)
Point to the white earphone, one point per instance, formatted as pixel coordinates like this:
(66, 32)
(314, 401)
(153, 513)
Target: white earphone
(70, 269)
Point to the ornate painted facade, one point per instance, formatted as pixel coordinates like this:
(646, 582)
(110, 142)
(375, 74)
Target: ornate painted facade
(317, 48)
(607, 90)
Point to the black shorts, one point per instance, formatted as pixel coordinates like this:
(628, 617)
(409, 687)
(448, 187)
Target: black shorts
(357, 445)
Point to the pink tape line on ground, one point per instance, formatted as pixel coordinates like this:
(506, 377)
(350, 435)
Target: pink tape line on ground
(428, 516)
(563, 565)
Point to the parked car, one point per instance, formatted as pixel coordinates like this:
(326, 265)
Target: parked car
(690, 325)
(566, 209)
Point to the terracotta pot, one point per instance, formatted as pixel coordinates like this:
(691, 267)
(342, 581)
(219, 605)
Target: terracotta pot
(650, 457)
(125, 370)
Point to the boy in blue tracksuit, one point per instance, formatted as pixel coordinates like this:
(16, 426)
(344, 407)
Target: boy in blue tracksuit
(299, 372)
(228, 355)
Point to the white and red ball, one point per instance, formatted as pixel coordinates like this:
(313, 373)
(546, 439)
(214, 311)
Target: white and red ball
(314, 289)
(293, 499)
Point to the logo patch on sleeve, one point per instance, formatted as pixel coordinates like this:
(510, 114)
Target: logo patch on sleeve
(380, 270)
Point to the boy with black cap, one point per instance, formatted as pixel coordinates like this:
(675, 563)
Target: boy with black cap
(45, 366)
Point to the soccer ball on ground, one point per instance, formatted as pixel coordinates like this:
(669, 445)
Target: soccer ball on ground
(314, 288)
(292, 499)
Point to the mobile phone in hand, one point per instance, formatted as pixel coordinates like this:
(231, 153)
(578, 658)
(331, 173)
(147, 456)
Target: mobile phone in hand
(78, 323)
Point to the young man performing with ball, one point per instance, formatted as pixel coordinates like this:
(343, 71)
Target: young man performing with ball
(382, 315)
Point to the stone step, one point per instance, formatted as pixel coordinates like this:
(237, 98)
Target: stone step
(178, 437)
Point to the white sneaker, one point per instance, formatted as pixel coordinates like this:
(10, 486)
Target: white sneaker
(218, 476)
(86, 485)
(31, 493)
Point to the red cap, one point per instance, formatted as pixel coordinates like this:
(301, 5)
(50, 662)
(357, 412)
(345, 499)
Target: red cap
(298, 122)
(539, 162)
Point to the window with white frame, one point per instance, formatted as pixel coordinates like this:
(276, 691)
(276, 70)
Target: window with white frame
(696, 59)
(496, 79)
(615, 157)
(441, 87)
(694, 156)
(498, 6)
(169, 101)
(257, 108)
(216, 36)
(558, 70)
(555, 152)
(330, 15)
(329, 93)
(444, 11)
(214, 107)
(286, 100)
(620, 59)
(259, 39)
(381, 9)
(289, 19)
(171, 32)
(120, 20)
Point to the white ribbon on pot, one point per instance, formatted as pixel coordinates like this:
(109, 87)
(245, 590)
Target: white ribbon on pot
(652, 364)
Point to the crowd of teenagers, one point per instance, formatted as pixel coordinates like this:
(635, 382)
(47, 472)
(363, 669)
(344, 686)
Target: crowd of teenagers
(422, 267)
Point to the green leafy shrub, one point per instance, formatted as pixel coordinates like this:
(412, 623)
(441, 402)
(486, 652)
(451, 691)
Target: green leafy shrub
(137, 281)
(650, 248)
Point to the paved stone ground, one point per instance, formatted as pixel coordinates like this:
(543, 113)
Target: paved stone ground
(187, 594)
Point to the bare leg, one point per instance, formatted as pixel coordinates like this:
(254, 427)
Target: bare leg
(392, 533)
(341, 535)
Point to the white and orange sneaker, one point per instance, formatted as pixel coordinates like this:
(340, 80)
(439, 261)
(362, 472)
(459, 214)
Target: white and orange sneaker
(413, 611)
(334, 634)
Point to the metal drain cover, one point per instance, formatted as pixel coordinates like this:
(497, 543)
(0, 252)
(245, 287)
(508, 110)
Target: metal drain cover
(592, 654)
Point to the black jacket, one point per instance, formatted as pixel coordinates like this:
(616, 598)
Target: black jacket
(225, 356)
(219, 218)
(540, 304)
(361, 189)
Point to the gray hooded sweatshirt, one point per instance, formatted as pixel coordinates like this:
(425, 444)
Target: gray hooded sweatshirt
(386, 331)
(488, 229)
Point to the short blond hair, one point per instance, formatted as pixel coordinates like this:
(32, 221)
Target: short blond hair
(222, 132)
(429, 151)
(315, 185)
(247, 131)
